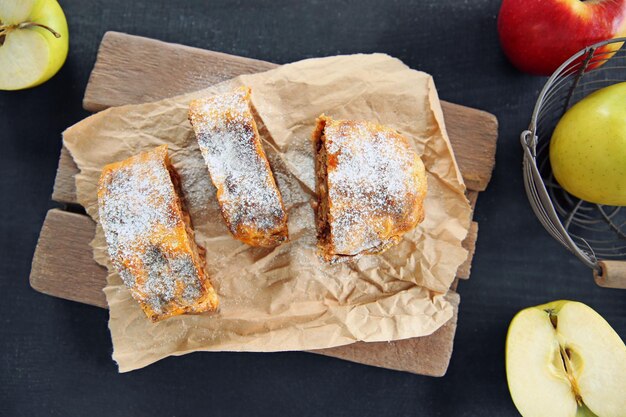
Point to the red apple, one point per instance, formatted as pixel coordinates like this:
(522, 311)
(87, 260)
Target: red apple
(539, 35)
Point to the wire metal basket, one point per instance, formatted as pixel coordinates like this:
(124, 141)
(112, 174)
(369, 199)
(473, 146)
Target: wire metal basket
(595, 233)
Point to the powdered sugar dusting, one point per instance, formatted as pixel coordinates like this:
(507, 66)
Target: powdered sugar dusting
(371, 184)
(137, 209)
(246, 189)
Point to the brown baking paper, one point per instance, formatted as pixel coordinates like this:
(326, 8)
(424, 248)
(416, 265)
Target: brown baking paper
(287, 298)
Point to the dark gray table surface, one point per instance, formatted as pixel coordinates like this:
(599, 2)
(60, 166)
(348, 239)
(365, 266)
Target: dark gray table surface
(55, 355)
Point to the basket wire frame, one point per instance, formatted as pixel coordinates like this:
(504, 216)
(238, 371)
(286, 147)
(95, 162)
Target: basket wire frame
(591, 231)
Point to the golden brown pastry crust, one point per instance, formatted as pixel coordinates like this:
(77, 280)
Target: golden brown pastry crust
(229, 140)
(371, 187)
(149, 236)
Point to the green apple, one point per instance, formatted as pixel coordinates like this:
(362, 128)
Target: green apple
(33, 42)
(588, 147)
(564, 360)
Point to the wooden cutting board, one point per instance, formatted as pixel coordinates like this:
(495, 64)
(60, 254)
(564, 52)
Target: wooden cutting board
(131, 69)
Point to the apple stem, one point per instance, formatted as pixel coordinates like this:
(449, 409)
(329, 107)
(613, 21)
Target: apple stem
(5, 29)
(26, 25)
(553, 317)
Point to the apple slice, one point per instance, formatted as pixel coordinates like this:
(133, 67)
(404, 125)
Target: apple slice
(564, 360)
(33, 42)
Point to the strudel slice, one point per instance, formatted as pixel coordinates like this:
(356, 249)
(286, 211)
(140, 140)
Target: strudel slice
(371, 187)
(249, 199)
(149, 236)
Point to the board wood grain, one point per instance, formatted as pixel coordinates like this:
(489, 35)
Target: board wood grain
(131, 69)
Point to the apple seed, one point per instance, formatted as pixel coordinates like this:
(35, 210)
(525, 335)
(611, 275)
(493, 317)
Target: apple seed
(566, 358)
(569, 372)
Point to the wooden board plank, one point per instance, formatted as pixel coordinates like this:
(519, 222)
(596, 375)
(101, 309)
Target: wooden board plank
(66, 236)
(63, 266)
(64, 189)
(132, 69)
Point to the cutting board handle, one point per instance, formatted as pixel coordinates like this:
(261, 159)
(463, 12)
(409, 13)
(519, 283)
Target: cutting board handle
(612, 274)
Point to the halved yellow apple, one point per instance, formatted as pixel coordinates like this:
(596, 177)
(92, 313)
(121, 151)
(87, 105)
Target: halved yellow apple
(33, 42)
(564, 360)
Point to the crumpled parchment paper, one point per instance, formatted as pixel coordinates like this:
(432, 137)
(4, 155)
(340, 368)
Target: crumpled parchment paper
(287, 298)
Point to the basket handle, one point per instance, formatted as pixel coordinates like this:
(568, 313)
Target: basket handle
(612, 274)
